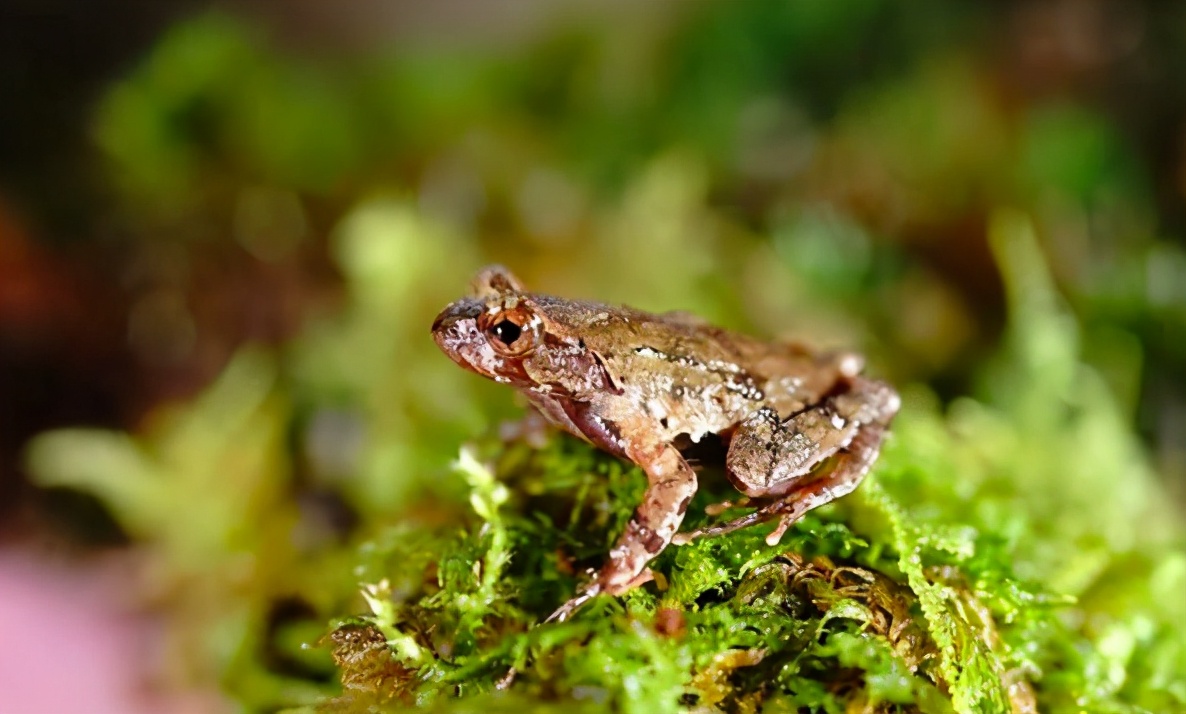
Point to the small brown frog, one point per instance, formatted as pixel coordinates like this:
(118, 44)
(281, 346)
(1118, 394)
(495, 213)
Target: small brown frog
(637, 384)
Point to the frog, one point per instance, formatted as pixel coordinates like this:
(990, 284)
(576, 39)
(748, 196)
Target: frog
(801, 427)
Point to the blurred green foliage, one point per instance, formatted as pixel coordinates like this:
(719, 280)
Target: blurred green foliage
(748, 162)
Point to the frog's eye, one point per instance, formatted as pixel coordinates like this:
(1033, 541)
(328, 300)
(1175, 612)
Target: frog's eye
(510, 332)
(506, 332)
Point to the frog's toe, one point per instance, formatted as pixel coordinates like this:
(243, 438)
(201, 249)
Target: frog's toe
(642, 578)
(566, 610)
(716, 509)
(721, 528)
(775, 535)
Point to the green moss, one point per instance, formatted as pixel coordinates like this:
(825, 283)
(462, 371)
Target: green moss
(964, 575)
(903, 597)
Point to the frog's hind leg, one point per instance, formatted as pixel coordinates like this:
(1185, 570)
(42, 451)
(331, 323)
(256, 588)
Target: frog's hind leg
(774, 460)
(850, 468)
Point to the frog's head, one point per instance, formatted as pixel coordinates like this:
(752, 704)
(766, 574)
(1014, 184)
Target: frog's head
(505, 333)
(492, 330)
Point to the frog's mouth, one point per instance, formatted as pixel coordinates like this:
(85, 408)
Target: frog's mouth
(456, 332)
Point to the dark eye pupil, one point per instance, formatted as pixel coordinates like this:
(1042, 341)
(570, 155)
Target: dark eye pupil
(507, 332)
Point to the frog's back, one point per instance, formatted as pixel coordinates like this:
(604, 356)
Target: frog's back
(691, 375)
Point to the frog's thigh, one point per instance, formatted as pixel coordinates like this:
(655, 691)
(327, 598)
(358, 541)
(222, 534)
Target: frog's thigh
(767, 455)
(672, 485)
(850, 468)
(868, 406)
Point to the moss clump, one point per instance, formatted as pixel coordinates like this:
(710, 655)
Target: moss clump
(820, 621)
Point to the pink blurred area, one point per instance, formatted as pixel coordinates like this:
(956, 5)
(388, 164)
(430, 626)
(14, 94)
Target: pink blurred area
(70, 644)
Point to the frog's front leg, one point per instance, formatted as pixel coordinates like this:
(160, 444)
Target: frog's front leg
(775, 459)
(672, 485)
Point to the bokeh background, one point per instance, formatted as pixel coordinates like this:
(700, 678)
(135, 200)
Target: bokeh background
(225, 229)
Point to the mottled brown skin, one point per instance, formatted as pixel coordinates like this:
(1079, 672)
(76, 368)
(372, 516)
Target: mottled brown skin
(634, 384)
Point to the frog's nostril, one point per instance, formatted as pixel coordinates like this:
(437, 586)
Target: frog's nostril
(448, 332)
(452, 316)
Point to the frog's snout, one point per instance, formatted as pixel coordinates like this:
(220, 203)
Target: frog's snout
(456, 313)
(448, 332)
(456, 332)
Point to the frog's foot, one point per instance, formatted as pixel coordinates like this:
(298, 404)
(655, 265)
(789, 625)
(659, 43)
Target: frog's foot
(787, 511)
(716, 509)
(775, 535)
(646, 576)
(850, 468)
(566, 610)
(745, 521)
